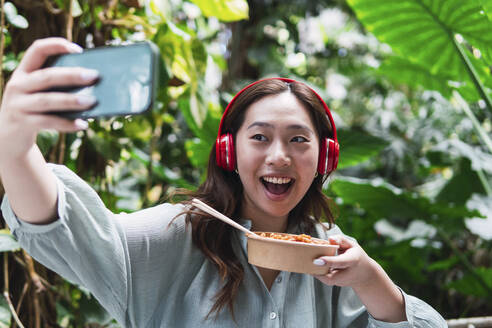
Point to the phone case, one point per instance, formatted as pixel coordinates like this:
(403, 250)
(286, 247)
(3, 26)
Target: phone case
(127, 84)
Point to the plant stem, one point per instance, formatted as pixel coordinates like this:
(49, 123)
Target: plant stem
(485, 182)
(69, 17)
(473, 74)
(6, 289)
(476, 124)
(484, 137)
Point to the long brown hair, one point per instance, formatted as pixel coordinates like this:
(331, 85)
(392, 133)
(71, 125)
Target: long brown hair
(223, 191)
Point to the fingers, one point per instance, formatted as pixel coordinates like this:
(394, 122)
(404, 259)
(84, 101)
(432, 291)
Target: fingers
(342, 261)
(40, 50)
(42, 102)
(342, 241)
(29, 115)
(334, 278)
(57, 123)
(349, 267)
(349, 254)
(339, 267)
(46, 78)
(23, 111)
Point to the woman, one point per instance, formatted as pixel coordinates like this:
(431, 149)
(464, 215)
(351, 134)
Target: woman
(147, 268)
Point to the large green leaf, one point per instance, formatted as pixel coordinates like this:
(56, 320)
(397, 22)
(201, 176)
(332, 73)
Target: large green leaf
(224, 10)
(414, 75)
(424, 30)
(425, 33)
(379, 198)
(357, 147)
(465, 85)
(383, 200)
(487, 6)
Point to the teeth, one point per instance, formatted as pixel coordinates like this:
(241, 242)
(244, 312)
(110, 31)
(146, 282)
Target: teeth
(277, 180)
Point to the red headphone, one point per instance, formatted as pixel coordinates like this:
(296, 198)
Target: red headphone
(329, 148)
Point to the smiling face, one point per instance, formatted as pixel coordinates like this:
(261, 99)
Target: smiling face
(277, 155)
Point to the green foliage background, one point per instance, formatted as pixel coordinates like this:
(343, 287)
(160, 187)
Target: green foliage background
(409, 84)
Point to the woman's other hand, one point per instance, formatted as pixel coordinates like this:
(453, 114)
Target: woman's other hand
(354, 268)
(351, 267)
(24, 104)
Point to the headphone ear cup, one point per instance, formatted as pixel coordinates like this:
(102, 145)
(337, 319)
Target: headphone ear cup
(333, 150)
(336, 153)
(328, 156)
(224, 152)
(322, 159)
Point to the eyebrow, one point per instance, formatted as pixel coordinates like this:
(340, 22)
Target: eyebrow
(290, 127)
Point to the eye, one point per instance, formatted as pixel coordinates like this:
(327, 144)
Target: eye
(299, 139)
(259, 137)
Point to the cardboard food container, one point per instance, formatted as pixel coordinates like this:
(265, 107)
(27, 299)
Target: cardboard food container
(286, 255)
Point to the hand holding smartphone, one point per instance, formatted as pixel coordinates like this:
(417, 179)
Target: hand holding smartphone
(127, 81)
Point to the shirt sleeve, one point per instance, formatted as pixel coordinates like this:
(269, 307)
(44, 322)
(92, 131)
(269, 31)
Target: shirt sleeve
(350, 312)
(127, 261)
(419, 315)
(84, 244)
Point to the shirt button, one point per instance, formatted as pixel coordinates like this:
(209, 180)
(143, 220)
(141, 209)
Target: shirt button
(279, 279)
(273, 315)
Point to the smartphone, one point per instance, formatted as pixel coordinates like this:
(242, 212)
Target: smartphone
(127, 81)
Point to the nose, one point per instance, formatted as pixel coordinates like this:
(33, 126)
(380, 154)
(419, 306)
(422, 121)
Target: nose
(278, 155)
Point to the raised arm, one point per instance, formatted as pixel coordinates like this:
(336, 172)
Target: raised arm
(28, 182)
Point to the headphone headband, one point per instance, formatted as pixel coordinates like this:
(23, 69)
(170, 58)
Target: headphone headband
(325, 106)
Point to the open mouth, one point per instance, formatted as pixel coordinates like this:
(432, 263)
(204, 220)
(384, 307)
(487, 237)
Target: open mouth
(277, 186)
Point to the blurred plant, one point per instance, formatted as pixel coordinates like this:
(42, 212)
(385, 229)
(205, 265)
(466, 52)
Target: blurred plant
(409, 83)
(445, 46)
(121, 157)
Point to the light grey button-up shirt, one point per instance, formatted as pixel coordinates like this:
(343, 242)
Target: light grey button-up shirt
(147, 273)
